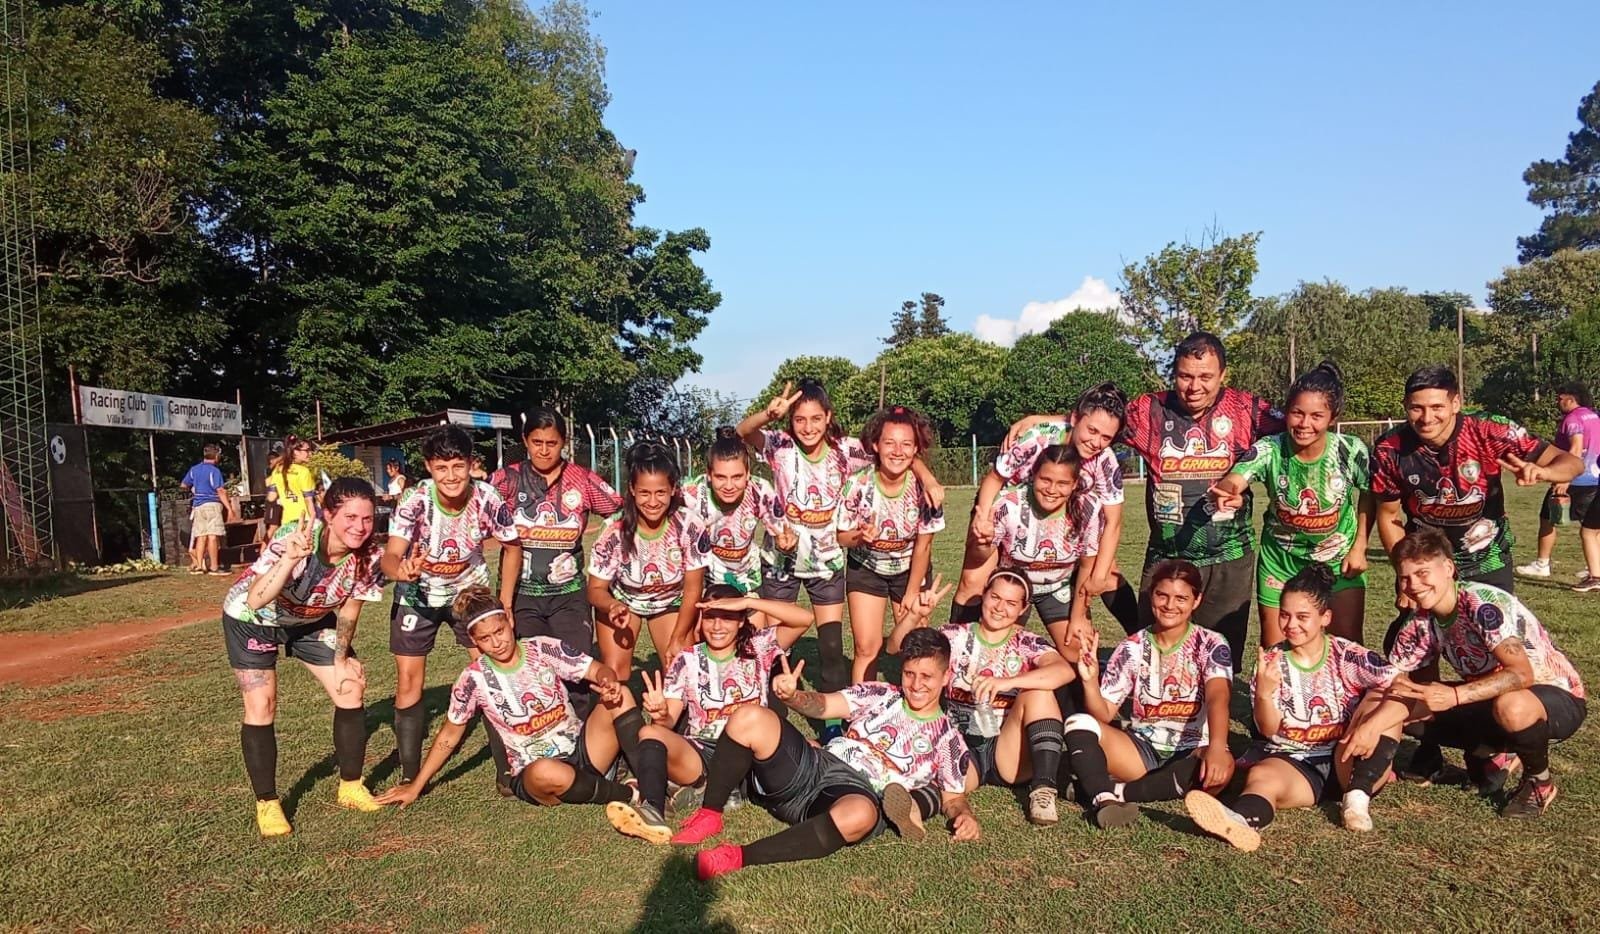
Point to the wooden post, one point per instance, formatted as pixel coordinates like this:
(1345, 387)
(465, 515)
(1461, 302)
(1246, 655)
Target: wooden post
(77, 406)
(1461, 346)
(244, 446)
(319, 421)
(152, 462)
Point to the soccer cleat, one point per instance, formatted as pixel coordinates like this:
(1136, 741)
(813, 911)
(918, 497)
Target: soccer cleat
(640, 820)
(502, 788)
(270, 820)
(1491, 774)
(1427, 766)
(1219, 820)
(1109, 812)
(1587, 585)
(1042, 806)
(701, 825)
(718, 861)
(354, 796)
(1534, 569)
(686, 800)
(1355, 811)
(1581, 576)
(1531, 799)
(902, 812)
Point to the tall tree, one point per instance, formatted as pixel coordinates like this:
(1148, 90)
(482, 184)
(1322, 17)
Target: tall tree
(1568, 190)
(1187, 287)
(1046, 372)
(832, 372)
(904, 326)
(932, 322)
(951, 379)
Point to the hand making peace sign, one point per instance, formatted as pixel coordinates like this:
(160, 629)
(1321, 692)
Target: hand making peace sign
(782, 403)
(787, 684)
(654, 698)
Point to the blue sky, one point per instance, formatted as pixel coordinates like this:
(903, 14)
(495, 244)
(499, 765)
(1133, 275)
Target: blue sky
(846, 157)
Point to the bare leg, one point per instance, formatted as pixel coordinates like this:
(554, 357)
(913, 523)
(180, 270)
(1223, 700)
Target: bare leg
(616, 645)
(866, 625)
(1349, 613)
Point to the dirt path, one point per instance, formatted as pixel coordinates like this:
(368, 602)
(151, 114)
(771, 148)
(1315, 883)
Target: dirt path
(26, 658)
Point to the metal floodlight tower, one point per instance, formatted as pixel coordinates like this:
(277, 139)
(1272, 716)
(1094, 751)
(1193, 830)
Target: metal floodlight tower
(24, 470)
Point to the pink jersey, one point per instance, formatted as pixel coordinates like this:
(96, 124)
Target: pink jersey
(1168, 687)
(973, 657)
(1485, 617)
(890, 524)
(1045, 548)
(809, 490)
(711, 689)
(551, 519)
(887, 743)
(452, 542)
(314, 589)
(1317, 702)
(650, 580)
(525, 702)
(730, 537)
(1100, 477)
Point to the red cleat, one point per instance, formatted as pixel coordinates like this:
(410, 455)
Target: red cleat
(701, 825)
(718, 861)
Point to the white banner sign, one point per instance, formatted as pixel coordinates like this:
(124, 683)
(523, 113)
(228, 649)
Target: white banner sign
(116, 408)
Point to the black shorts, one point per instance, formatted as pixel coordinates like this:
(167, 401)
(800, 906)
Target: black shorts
(578, 758)
(801, 781)
(1152, 757)
(982, 749)
(861, 579)
(1472, 725)
(564, 616)
(823, 591)
(1580, 501)
(1584, 505)
(255, 648)
(413, 629)
(1318, 774)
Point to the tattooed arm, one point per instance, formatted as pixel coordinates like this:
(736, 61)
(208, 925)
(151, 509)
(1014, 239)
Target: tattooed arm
(818, 706)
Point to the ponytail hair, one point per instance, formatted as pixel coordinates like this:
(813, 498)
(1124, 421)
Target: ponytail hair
(1324, 378)
(921, 429)
(810, 389)
(1106, 398)
(285, 461)
(473, 602)
(647, 457)
(727, 445)
(1315, 580)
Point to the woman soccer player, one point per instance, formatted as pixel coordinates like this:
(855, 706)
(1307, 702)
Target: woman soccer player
(291, 487)
(1178, 676)
(645, 569)
(885, 522)
(1321, 506)
(732, 509)
(1307, 694)
(304, 594)
(703, 686)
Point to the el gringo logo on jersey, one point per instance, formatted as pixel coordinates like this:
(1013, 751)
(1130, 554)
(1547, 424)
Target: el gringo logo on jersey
(1172, 710)
(549, 538)
(1447, 507)
(810, 518)
(540, 722)
(1320, 733)
(1197, 459)
(1308, 516)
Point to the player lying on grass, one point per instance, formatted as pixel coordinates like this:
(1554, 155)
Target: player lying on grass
(699, 691)
(1178, 676)
(1001, 691)
(900, 756)
(1519, 692)
(1321, 702)
(554, 757)
(304, 594)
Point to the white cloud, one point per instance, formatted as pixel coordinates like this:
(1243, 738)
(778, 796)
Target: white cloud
(1093, 294)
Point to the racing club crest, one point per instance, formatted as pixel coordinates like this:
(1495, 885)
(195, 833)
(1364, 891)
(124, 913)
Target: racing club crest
(1222, 425)
(571, 499)
(1470, 471)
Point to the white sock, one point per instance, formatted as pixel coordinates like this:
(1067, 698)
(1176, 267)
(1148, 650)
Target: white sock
(1117, 789)
(1105, 797)
(1357, 799)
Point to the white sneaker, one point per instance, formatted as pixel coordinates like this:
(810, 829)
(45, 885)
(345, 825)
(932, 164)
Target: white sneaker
(1357, 817)
(1534, 569)
(1581, 576)
(1042, 806)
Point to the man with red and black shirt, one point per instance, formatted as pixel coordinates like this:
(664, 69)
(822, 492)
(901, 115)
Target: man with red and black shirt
(1190, 436)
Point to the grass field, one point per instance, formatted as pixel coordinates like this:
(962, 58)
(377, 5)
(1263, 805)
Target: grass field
(124, 805)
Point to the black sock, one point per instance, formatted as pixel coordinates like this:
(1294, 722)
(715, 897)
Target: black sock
(1167, 783)
(497, 752)
(929, 801)
(813, 838)
(350, 740)
(1044, 745)
(833, 673)
(1124, 606)
(627, 726)
(1088, 762)
(1256, 810)
(1532, 746)
(649, 763)
(409, 725)
(729, 765)
(260, 744)
(589, 788)
(1367, 772)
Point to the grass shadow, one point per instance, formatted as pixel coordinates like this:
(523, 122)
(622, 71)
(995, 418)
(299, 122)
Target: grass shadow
(678, 901)
(325, 768)
(20, 594)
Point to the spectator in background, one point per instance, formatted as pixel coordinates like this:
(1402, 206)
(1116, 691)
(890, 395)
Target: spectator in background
(1579, 435)
(209, 513)
(479, 470)
(397, 480)
(291, 487)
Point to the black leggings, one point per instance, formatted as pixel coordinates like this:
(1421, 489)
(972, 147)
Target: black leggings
(777, 774)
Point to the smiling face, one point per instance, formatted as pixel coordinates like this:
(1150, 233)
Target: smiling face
(495, 638)
(922, 681)
(720, 628)
(544, 448)
(809, 421)
(1198, 381)
(1093, 433)
(1302, 620)
(1003, 603)
(351, 523)
(452, 476)
(652, 496)
(1432, 414)
(729, 478)
(896, 448)
(1053, 485)
(1427, 581)
(1172, 603)
(1308, 418)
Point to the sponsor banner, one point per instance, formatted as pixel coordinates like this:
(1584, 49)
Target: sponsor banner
(118, 408)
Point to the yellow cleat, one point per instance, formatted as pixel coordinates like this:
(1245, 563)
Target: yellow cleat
(270, 820)
(355, 796)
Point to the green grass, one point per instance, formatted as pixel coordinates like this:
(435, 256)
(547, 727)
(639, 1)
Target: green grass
(135, 814)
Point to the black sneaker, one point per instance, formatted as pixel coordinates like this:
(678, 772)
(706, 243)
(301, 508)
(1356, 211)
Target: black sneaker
(1491, 774)
(1427, 767)
(1531, 799)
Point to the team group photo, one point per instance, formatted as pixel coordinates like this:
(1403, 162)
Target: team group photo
(407, 527)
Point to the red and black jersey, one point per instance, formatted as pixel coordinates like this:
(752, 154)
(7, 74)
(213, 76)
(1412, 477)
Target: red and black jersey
(1185, 456)
(550, 520)
(1455, 488)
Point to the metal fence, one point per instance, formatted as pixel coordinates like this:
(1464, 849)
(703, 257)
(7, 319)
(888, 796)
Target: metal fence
(1367, 431)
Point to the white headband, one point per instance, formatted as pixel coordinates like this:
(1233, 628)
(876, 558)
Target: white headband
(483, 616)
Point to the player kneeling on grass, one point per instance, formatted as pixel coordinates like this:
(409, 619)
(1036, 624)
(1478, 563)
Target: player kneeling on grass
(1324, 705)
(1178, 676)
(554, 757)
(1520, 692)
(900, 756)
(703, 687)
(1001, 690)
(305, 594)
